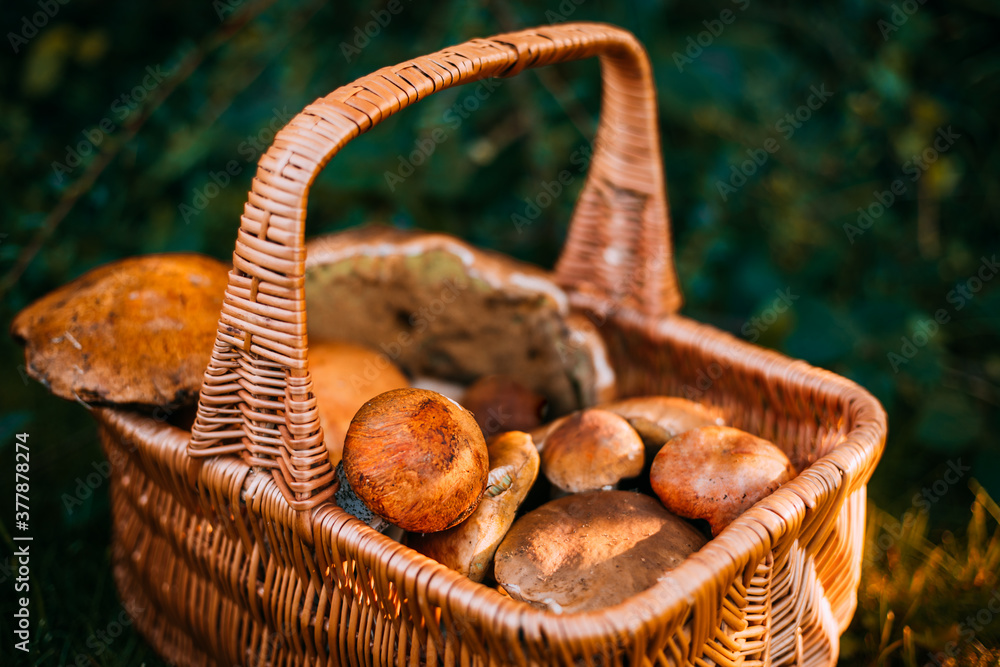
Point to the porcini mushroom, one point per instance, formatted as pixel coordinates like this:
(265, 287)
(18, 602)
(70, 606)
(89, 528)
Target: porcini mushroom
(657, 419)
(452, 390)
(344, 377)
(139, 331)
(468, 548)
(443, 308)
(591, 449)
(716, 473)
(501, 403)
(414, 458)
(591, 550)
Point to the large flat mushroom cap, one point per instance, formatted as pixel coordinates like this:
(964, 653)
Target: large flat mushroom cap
(591, 550)
(138, 331)
(442, 308)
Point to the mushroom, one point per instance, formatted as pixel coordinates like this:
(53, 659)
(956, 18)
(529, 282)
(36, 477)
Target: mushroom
(468, 548)
(501, 403)
(443, 308)
(452, 390)
(414, 459)
(344, 377)
(590, 450)
(139, 331)
(657, 419)
(591, 354)
(716, 473)
(591, 550)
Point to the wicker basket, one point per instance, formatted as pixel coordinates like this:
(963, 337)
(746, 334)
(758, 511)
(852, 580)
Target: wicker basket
(228, 551)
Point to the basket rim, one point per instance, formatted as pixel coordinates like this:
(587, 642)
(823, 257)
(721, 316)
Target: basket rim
(698, 578)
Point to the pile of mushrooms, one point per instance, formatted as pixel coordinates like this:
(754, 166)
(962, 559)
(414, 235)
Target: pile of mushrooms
(570, 515)
(627, 490)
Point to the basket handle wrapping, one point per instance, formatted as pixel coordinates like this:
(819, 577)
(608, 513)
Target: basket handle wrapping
(257, 398)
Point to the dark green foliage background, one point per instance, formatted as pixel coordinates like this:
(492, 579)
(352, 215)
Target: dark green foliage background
(783, 230)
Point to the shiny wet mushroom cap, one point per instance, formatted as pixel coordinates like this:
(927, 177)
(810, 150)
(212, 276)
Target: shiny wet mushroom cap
(138, 331)
(345, 376)
(592, 449)
(716, 473)
(591, 550)
(417, 459)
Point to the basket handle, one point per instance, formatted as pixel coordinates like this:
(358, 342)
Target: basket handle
(257, 398)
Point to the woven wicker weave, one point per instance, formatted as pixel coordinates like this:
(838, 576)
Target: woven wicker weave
(241, 560)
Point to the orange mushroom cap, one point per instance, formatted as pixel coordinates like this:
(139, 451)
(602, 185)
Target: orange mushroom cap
(417, 459)
(137, 331)
(344, 376)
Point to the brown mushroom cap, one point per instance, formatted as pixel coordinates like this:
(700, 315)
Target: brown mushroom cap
(138, 331)
(660, 418)
(591, 550)
(501, 403)
(716, 473)
(591, 450)
(417, 459)
(344, 377)
(468, 548)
